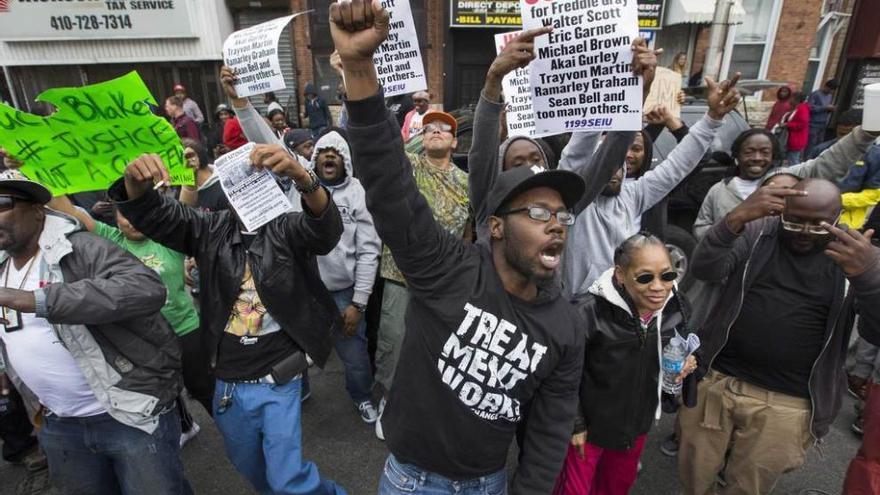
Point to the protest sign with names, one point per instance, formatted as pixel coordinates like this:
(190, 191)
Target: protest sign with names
(517, 94)
(253, 193)
(87, 143)
(252, 54)
(582, 77)
(398, 59)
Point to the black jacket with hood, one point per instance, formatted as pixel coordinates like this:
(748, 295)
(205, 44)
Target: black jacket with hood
(739, 258)
(620, 389)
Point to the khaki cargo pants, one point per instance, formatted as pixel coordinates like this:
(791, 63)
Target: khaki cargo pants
(767, 434)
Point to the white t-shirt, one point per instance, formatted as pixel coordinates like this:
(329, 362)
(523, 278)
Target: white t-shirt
(41, 360)
(745, 187)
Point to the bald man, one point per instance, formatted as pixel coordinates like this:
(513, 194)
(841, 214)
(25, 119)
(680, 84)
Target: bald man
(773, 349)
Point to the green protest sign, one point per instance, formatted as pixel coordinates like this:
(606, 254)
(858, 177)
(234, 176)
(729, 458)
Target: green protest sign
(96, 130)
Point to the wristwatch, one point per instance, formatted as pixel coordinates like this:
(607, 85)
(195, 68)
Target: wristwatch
(362, 308)
(313, 185)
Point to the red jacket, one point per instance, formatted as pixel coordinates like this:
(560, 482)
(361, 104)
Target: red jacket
(799, 128)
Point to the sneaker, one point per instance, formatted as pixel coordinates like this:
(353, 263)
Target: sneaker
(36, 483)
(380, 433)
(189, 435)
(368, 412)
(858, 426)
(669, 447)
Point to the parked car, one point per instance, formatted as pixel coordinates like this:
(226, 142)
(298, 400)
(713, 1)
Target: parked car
(684, 202)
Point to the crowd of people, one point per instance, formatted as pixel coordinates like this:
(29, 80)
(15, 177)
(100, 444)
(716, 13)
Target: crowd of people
(527, 300)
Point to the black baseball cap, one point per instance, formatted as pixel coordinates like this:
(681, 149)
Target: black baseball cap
(515, 181)
(296, 137)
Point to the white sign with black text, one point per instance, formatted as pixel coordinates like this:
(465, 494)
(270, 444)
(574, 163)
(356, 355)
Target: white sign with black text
(398, 59)
(253, 193)
(517, 94)
(252, 54)
(94, 19)
(582, 77)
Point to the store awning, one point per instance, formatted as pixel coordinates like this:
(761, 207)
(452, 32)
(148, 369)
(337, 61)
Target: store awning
(699, 12)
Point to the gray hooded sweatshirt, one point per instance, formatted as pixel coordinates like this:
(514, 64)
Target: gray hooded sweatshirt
(609, 220)
(355, 259)
(833, 164)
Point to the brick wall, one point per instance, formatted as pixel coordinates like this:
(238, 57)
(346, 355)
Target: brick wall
(794, 38)
(834, 56)
(433, 58)
(302, 52)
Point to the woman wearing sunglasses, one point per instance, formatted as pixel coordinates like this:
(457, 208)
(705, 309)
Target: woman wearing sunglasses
(620, 388)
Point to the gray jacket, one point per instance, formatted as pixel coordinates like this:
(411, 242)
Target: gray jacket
(104, 305)
(833, 164)
(609, 220)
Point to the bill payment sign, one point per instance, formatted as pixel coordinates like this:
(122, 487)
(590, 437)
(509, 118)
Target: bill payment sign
(94, 19)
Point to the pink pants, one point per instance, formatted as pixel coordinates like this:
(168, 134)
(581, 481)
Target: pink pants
(863, 475)
(600, 471)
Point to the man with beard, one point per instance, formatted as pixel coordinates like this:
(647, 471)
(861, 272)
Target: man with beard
(615, 215)
(773, 348)
(486, 328)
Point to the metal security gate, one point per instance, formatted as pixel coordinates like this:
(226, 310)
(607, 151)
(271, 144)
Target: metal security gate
(287, 96)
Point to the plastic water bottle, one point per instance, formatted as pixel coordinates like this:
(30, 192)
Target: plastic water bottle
(674, 355)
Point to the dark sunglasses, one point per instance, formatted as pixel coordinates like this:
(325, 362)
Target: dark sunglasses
(542, 214)
(7, 201)
(647, 278)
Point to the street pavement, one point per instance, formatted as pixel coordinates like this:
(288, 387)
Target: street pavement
(347, 451)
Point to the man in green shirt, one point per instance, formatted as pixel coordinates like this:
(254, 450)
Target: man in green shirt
(179, 309)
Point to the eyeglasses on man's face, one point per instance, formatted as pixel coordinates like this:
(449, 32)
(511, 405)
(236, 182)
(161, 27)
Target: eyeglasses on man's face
(541, 214)
(805, 227)
(7, 201)
(438, 127)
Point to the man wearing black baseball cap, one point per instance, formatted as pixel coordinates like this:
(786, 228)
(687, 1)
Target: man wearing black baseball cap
(87, 347)
(487, 330)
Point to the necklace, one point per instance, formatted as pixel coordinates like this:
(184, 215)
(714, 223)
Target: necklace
(27, 273)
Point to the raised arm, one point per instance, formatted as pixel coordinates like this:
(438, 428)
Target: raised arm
(657, 183)
(595, 166)
(483, 160)
(254, 126)
(834, 163)
(64, 205)
(422, 250)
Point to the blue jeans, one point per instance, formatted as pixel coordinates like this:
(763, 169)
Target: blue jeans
(263, 438)
(398, 478)
(97, 454)
(354, 355)
(794, 157)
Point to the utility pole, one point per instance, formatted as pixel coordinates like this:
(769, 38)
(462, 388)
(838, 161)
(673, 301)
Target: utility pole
(717, 38)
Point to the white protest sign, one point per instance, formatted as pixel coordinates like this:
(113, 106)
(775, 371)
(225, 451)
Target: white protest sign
(582, 77)
(398, 59)
(252, 54)
(517, 94)
(253, 193)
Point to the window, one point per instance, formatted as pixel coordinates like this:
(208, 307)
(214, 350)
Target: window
(753, 37)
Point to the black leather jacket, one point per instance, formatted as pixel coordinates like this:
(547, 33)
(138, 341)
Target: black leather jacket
(281, 256)
(618, 395)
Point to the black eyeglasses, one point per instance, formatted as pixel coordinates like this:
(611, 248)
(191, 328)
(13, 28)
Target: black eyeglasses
(647, 278)
(7, 201)
(542, 214)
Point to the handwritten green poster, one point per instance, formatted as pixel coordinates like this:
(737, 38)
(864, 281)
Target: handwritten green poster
(95, 132)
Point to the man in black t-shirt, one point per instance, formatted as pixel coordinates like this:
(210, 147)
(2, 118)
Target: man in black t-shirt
(774, 346)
